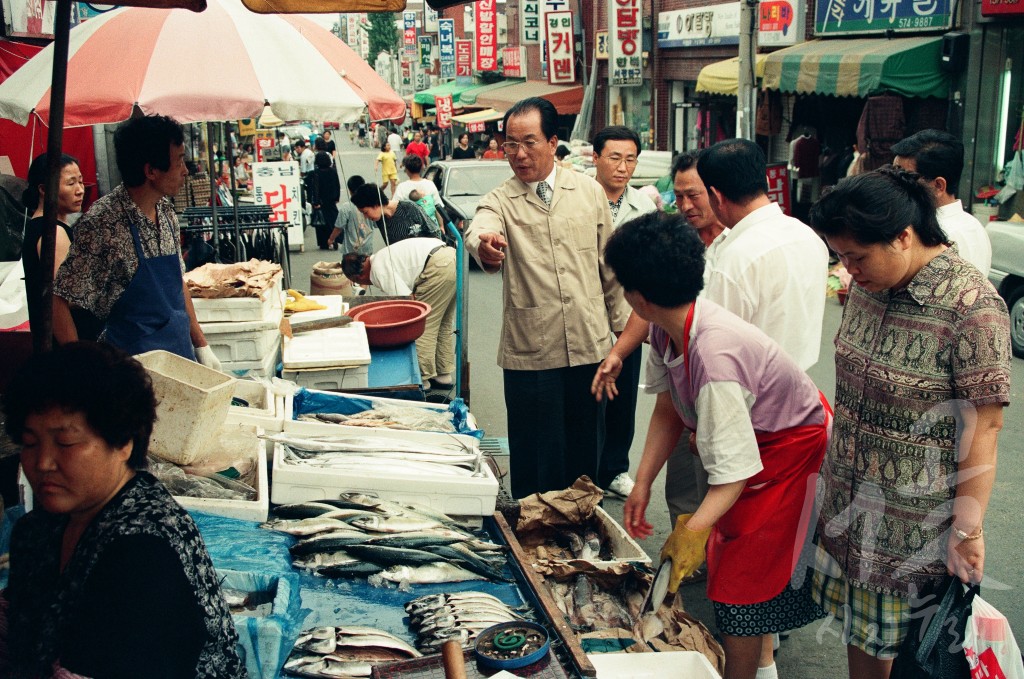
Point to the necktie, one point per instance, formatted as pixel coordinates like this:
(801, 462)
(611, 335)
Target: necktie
(544, 193)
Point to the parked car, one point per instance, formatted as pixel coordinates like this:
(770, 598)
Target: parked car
(462, 183)
(296, 132)
(1007, 275)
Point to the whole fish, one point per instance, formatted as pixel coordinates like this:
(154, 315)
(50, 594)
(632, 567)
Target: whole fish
(378, 639)
(357, 569)
(331, 541)
(412, 540)
(468, 560)
(591, 546)
(342, 667)
(392, 556)
(393, 524)
(322, 640)
(312, 526)
(320, 560)
(430, 573)
(303, 510)
(328, 444)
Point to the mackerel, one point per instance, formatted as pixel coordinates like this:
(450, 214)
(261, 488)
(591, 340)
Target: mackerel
(430, 573)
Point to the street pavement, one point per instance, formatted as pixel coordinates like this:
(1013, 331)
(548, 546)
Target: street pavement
(814, 651)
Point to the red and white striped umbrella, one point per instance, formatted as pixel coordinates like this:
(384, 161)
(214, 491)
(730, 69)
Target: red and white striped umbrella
(223, 63)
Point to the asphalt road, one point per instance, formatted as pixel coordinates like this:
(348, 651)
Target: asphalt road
(814, 651)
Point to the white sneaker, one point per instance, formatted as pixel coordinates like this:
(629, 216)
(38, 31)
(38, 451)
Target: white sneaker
(621, 485)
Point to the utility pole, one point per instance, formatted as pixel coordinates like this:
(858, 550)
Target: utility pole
(746, 101)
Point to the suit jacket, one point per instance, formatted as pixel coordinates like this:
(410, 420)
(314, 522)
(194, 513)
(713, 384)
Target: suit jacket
(560, 299)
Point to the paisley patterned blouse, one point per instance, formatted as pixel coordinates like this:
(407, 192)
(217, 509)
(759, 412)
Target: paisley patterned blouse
(910, 366)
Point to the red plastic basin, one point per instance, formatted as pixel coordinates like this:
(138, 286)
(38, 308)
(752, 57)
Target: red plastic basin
(392, 323)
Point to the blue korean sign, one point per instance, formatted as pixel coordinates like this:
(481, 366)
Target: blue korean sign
(409, 20)
(446, 46)
(843, 17)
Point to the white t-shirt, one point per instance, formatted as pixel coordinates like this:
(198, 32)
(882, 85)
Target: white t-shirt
(306, 161)
(424, 186)
(771, 271)
(968, 233)
(396, 143)
(394, 269)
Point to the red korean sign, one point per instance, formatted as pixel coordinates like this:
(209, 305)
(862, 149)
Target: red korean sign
(561, 48)
(778, 186)
(486, 35)
(513, 62)
(409, 41)
(476, 127)
(624, 66)
(443, 111)
(1001, 7)
(463, 58)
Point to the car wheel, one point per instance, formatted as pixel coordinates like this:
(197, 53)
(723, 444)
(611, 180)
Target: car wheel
(1016, 305)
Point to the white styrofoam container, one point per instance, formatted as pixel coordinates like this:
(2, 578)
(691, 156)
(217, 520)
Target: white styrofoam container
(231, 309)
(328, 429)
(330, 379)
(335, 309)
(254, 510)
(474, 496)
(244, 340)
(328, 348)
(265, 409)
(678, 665)
(266, 366)
(624, 548)
(192, 404)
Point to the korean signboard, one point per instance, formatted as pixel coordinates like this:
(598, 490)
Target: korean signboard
(1001, 7)
(463, 58)
(443, 109)
(513, 62)
(700, 26)
(843, 17)
(601, 44)
(476, 127)
(529, 22)
(426, 51)
(406, 73)
(778, 185)
(409, 34)
(561, 50)
(277, 185)
(429, 19)
(780, 22)
(446, 47)
(30, 18)
(486, 35)
(626, 43)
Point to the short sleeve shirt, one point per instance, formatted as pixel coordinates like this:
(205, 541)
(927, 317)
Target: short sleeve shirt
(102, 261)
(409, 221)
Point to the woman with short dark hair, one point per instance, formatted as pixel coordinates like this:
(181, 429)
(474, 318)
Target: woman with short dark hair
(109, 575)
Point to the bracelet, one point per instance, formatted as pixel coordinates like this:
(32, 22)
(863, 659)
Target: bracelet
(964, 536)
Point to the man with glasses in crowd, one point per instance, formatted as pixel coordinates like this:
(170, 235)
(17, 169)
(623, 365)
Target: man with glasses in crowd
(616, 153)
(545, 230)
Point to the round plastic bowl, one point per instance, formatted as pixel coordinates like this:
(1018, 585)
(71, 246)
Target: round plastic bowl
(392, 323)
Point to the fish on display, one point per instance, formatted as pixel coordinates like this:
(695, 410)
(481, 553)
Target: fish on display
(588, 607)
(430, 573)
(349, 651)
(437, 618)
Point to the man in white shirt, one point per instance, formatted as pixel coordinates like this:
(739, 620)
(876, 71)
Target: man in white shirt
(939, 158)
(425, 269)
(306, 157)
(395, 141)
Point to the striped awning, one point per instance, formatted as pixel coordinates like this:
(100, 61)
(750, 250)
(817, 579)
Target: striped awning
(484, 116)
(722, 77)
(858, 68)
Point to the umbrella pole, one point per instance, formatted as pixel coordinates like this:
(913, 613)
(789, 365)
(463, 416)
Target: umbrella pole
(42, 332)
(234, 193)
(213, 189)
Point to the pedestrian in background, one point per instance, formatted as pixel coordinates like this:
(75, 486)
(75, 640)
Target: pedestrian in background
(350, 224)
(326, 194)
(922, 377)
(385, 163)
(463, 150)
(493, 152)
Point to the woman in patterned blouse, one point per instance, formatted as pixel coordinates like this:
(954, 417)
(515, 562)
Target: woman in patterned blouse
(922, 377)
(109, 576)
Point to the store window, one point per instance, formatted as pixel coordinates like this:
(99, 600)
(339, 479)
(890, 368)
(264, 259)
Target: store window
(631, 106)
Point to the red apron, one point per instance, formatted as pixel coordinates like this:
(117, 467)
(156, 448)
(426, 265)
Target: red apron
(753, 548)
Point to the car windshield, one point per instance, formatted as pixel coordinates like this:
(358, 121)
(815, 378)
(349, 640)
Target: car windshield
(477, 180)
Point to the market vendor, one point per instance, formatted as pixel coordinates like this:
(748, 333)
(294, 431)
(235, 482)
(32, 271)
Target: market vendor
(761, 431)
(109, 576)
(424, 268)
(125, 265)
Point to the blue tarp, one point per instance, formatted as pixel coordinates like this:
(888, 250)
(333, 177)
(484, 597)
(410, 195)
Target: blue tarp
(307, 402)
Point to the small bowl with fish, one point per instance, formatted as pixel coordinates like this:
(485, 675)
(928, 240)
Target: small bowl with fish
(393, 322)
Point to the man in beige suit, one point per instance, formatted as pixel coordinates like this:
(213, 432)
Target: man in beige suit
(545, 230)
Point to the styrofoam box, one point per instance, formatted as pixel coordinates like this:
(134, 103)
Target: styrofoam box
(678, 665)
(328, 429)
(328, 348)
(264, 367)
(335, 309)
(624, 548)
(330, 379)
(232, 309)
(475, 496)
(244, 340)
(254, 510)
(265, 409)
(192, 404)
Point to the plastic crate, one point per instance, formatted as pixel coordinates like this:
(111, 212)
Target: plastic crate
(233, 309)
(247, 510)
(330, 379)
(244, 340)
(475, 496)
(265, 408)
(192, 404)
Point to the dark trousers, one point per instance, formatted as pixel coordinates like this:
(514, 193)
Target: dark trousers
(323, 231)
(620, 420)
(555, 428)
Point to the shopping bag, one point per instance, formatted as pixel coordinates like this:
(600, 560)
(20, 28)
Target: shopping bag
(318, 218)
(991, 650)
(933, 647)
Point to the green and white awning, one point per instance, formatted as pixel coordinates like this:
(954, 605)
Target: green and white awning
(858, 68)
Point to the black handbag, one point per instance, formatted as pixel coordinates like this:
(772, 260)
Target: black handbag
(933, 647)
(317, 219)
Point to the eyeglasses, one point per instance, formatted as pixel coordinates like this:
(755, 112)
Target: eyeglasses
(617, 160)
(512, 147)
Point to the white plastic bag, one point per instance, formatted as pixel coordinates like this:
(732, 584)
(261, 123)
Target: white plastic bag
(992, 652)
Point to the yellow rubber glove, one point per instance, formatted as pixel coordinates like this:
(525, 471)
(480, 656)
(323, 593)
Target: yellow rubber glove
(297, 302)
(686, 549)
